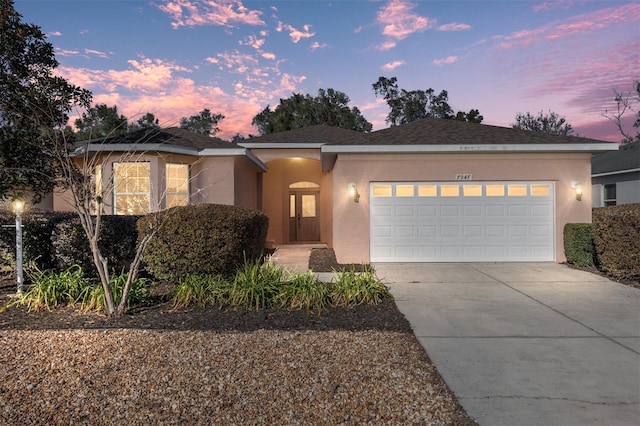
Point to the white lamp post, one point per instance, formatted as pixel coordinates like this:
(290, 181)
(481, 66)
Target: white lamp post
(17, 205)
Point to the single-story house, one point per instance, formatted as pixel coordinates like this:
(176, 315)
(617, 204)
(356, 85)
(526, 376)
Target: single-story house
(615, 176)
(428, 191)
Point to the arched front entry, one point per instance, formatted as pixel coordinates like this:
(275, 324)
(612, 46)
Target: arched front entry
(304, 212)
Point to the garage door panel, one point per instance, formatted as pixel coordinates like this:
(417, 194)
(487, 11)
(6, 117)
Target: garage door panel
(448, 222)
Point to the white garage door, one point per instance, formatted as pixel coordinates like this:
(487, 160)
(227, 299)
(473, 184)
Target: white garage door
(462, 221)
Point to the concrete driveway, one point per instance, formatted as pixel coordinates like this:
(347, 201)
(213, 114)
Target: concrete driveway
(527, 343)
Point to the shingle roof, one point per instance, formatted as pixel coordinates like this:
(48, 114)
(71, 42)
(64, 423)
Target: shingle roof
(433, 131)
(320, 134)
(172, 136)
(626, 158)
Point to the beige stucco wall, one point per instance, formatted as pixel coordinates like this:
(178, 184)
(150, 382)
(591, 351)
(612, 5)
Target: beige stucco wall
(213, 181)
(351, 220)
(246, 183)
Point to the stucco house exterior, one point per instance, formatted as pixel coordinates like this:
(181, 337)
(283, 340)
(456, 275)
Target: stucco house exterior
(615, 176)
(428, 191)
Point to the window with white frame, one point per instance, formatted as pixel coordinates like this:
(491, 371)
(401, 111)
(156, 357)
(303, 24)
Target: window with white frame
(610, 194)
(177, 191)
(131, 188)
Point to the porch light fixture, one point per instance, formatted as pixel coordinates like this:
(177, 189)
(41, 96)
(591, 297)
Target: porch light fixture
(17, 205)
(578, 188)
(353, 192)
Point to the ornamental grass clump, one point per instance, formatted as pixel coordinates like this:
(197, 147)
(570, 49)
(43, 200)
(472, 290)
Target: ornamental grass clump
(256, 284)
(93, 298)
(50, 289)
(200, 290)
(304, 291)
(355, 288)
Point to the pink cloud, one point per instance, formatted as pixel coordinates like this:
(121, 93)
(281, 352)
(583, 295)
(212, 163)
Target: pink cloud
(66, 52)
(454, 26)
(91, 52)
(54, 33)
(399, 21)
(445, 61)
(577, 25)
(392, 65)
(296, 34)
(253, 41)
(186, 13)
(551, 5)
(387, 45)
(315, 46)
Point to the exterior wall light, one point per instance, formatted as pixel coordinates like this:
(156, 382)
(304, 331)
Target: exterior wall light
(576, 186)
(353, 192)
(17, 205)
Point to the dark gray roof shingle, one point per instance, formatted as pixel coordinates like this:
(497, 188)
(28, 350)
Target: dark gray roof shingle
(626, 158)
(170, 136)
(319, 133)
(434, 131)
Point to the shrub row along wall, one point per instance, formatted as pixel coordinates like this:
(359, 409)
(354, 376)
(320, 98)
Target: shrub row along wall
(55, 241)
(198, 239)
(611, 242)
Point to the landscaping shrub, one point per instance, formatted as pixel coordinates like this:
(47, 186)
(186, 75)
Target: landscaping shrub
(37, 231)
(355, 288)
(578, 244)
(200, 290)
(93, 298)
(256, 285)
(203, 239)
(50, 289)
(616, 236)
(304, 291)
(118, 239)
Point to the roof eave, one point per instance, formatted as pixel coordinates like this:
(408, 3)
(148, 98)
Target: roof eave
(457, 148)
(282, 145)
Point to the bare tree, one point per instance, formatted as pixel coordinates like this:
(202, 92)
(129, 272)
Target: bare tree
(626, 102)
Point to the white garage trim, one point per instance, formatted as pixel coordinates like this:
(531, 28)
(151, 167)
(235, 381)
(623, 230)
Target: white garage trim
(462, 221)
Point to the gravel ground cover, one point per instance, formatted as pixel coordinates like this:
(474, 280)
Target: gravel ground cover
(203, 366)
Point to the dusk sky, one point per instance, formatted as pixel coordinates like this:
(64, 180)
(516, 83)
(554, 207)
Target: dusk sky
(174, 58)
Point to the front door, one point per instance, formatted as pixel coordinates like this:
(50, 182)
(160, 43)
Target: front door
(304, 223)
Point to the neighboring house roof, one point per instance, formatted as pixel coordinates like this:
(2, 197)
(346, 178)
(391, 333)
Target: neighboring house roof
(170, 140)
(625, 160)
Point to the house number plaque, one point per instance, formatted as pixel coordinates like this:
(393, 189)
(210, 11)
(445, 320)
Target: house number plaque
(464, 176)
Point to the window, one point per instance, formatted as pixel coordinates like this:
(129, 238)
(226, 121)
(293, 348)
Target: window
(131, 188)
(427, 191)
(610, 194)
(382, 190)
(495, 190)
(177, 193)
(472, 190)
(404, 190)
(540, 190)
(517, 190)
(450, 190)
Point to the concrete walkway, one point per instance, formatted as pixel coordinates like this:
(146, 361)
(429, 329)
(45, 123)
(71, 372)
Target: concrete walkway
(529, 343)
(295, 257)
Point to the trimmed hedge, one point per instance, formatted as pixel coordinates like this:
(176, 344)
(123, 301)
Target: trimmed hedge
(578, 244)
(37, 231)
(118, 239)
(203, 239)
(616, 236)
(55, 241)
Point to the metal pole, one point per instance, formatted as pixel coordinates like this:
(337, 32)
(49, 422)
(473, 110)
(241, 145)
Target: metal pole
(19, 252)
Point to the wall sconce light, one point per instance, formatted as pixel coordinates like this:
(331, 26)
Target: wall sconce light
(353, 192)
(578, 188)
